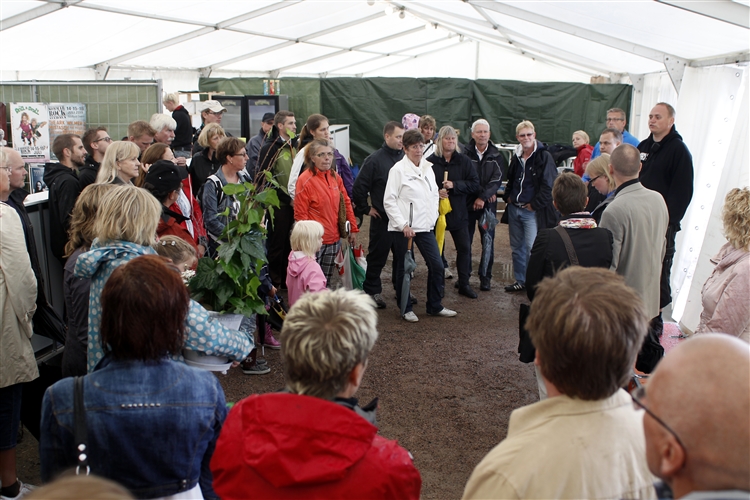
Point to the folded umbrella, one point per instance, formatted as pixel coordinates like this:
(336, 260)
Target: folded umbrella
(487, 221)
(409, 267)
(443, 208)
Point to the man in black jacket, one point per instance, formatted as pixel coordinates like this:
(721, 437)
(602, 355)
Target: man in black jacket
(95, 141)
(528, 196)
(371, 182)
(490, 166)
(667, 169)
(64, 188)
(183, 135)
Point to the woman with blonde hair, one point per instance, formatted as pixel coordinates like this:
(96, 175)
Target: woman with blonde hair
(726, 293)
(125, 228)
(602, 181)
(206, 162)
(584, 149)
(120, 164)
(76, 289)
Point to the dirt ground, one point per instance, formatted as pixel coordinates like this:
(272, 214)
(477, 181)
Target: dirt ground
(446, 386)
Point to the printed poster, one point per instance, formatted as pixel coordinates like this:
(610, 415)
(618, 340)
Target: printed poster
(36, 179)
(66, 118)
(29, 123)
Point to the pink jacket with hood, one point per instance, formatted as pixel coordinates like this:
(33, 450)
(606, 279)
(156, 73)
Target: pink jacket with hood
(303, 275)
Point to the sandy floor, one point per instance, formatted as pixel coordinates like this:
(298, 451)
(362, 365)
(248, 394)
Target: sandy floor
(446, 385)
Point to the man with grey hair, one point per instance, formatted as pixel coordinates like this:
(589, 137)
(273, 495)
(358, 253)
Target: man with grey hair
(313, 440)
(183, 134)
(696, 423)
(165, 126)
(638, 220)
(616, 119)
(490, 166)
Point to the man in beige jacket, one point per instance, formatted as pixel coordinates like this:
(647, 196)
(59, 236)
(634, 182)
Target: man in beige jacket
(586, 440)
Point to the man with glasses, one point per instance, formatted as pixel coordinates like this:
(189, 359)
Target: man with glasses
(697, 421)
(616, 120)
(95, 140)
(586, 440)
(212, 113)
(528, 198)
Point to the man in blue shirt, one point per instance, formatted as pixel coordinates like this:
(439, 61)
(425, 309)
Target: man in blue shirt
(616, 120)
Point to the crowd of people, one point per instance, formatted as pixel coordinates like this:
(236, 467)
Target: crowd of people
(128, 217)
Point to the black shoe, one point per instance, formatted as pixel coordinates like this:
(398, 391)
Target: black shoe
(456, 285)
(466, 291)
(379, 301)
(515, 287)
(485, 284)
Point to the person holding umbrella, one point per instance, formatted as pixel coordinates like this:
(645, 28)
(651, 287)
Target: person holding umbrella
(411, 202)
(461, 181)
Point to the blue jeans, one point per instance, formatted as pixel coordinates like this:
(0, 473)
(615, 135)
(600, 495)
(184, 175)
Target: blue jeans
(435, 274)
(522, 232)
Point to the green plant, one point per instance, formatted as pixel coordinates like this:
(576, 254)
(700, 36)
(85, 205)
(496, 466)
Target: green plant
(230, 282)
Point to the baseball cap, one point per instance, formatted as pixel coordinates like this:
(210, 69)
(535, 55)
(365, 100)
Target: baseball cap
(214, 106)
(165, 176)
(268, 117)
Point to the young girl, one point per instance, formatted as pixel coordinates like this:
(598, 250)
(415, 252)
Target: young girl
(180, 251)
(304, 273)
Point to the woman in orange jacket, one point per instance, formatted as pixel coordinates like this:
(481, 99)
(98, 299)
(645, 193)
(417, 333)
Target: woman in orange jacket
(320, 193)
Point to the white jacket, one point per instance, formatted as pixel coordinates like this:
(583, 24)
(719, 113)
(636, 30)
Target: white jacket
(299, 160)
(408, 185)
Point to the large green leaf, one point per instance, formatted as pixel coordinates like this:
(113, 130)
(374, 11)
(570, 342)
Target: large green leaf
(226, 250)
(233, 189)
(223, 292)
(205, 275)
(252, 244)
(268, 197)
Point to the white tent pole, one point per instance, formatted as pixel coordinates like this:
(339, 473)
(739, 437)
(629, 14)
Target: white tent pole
(298, 40)
(736, 58)
(381, 56)
(344, 51)
(35, 13)
(411, 57)
(722, 10)
(593, 36)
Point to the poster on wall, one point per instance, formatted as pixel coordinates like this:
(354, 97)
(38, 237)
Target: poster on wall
(3, 127)
(66, 118)
(36, 179)
(29, 123)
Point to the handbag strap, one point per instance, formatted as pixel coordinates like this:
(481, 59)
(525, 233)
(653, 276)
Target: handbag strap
(80, 436)
(568, 245)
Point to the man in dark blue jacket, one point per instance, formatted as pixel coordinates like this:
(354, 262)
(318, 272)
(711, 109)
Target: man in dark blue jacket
(529, 199)
(490, 166)
(371, 182)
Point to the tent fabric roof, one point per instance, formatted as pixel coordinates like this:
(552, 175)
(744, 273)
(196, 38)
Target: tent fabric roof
(562, 40)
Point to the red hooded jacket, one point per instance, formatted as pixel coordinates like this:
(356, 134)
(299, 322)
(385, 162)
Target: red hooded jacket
(290, 446)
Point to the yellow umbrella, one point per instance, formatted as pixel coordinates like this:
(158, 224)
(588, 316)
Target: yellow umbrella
(443, 208)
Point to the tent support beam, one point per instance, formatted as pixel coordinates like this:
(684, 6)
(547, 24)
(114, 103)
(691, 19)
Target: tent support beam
(299, 40)
(721, 10)
(411, 57)
(355, 48)
(506, 44)
(554, 24)
(741, 57)
(35, 13)
(381, 56)
(675, 70)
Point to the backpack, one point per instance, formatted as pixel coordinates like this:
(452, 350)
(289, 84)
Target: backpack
(218, 186)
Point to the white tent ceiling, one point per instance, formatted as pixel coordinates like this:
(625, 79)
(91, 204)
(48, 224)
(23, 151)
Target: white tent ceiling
(523, 40)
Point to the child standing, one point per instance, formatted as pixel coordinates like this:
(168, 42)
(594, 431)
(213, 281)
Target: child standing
(304, 273)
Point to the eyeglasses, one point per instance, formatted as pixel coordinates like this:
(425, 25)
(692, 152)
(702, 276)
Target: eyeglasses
(595, 178)
(241, 153)
(7, 169)
(214, 112)
(522, 136)
(105, 139)
(615, 119)
(324, 155)
(638, 395)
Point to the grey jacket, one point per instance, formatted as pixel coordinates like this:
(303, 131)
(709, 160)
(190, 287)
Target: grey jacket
(638, 220)
(214, 203)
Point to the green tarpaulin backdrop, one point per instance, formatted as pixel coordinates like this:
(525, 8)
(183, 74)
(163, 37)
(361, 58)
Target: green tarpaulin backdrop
(366, 104)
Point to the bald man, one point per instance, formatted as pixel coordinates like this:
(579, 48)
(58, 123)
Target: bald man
(701, 390)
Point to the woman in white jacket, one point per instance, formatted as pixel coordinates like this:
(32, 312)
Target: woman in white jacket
(411, 203)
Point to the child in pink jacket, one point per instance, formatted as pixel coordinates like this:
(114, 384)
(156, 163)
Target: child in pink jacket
(304, 273)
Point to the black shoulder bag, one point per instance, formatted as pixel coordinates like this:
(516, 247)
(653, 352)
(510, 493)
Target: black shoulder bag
(80, 434)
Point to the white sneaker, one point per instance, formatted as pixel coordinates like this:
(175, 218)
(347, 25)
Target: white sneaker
(411, 317)
(448, 273)
(22, 492)
(445, 313)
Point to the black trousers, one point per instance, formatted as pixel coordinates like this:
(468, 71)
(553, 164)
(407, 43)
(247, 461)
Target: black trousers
(381, 244)
(279, 246)
(463, 254)
(665, 289)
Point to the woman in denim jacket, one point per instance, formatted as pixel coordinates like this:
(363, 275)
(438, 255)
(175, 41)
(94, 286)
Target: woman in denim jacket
(152, 423)
(125, 229)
